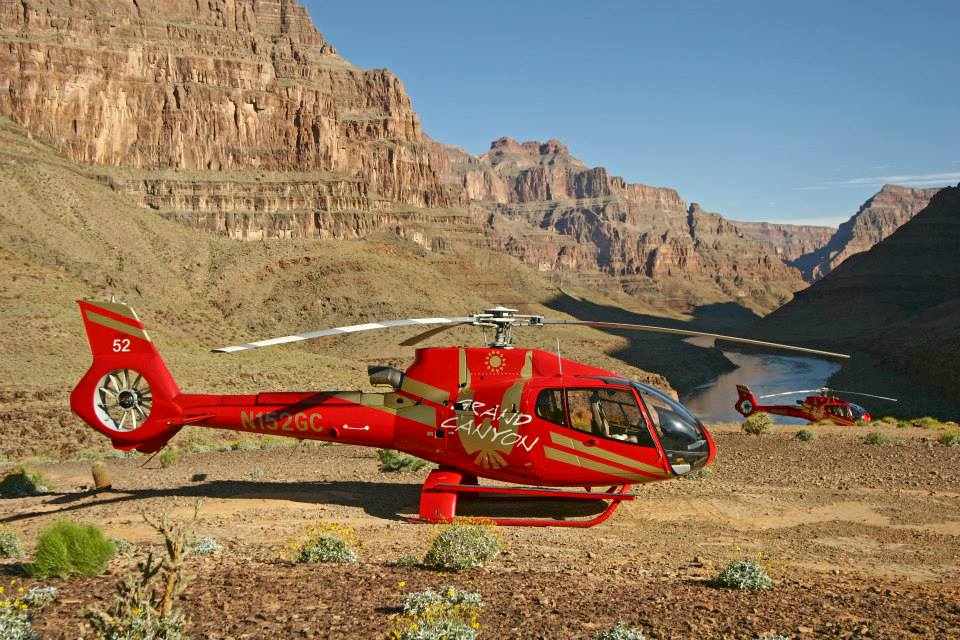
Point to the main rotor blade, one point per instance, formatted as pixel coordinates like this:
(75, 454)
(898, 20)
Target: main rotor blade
(788, 393)
(687, 332)
(429, 333)
(868, 395)
(335, 331)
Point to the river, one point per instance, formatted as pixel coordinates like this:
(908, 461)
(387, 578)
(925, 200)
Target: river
(763, 373)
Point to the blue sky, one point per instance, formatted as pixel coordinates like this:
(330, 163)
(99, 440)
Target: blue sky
(782, 111)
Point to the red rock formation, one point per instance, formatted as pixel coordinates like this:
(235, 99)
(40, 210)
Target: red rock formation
(787, 241)
(877, 218)
(238, 84)
(549, 209)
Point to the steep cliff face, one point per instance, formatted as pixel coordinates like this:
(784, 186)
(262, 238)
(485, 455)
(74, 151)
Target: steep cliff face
(876, 219)
(230, 85)
(787, 241)
(897, 305)
(547, 208)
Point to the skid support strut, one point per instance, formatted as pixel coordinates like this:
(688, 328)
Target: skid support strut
(438, 499)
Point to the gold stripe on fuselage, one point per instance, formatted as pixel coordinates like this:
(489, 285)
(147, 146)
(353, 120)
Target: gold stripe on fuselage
(598, 452)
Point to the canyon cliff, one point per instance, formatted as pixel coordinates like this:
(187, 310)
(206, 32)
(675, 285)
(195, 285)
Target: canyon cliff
(876, 219)
(551, 211)
(788, 241)
(236, 116)
(897, 306)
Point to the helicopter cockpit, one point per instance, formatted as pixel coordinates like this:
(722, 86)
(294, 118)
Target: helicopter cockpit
(615, 414)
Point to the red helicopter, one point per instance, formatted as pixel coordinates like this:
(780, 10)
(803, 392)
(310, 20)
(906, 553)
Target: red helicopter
(823, 406)
(520, 416)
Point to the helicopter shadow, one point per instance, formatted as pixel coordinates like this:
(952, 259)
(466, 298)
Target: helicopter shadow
(384, 500)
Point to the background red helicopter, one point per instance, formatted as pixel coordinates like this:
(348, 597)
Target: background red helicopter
(515, 415)
(823, 406)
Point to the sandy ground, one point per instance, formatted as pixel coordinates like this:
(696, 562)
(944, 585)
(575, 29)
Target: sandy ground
(862, 540)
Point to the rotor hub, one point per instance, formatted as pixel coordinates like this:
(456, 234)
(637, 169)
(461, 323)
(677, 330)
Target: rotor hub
(503, 319)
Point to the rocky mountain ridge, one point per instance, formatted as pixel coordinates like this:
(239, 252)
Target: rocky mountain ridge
(788, 241)
(876, 219)
(550, 210)
(897, 305)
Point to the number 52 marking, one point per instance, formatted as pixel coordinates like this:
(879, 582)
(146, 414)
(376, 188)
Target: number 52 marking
(121, 344)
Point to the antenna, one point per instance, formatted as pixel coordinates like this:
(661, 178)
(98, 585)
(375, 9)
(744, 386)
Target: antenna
(559, 359)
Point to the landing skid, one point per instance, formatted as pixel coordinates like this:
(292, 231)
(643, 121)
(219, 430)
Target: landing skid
(438, 500)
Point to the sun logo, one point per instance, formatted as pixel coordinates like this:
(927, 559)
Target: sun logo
(495, 361)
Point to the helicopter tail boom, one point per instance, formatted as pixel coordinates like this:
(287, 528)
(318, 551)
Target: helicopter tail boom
(127, 393)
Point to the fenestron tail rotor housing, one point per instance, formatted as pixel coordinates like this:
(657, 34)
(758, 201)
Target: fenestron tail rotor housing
(122, 400)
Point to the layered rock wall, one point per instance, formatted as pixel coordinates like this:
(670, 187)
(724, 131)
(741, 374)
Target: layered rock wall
(226, 85)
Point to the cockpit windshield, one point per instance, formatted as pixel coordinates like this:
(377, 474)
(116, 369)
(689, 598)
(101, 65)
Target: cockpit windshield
(680, 433)
(858, 411)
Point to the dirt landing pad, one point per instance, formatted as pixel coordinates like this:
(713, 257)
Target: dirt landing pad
(864, 541)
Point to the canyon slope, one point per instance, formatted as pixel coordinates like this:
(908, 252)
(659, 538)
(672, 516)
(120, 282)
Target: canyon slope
(876, 219)
(897, 306)
(548, 209)
(788, 241)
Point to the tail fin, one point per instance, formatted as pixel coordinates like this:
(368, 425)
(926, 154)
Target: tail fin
(746, 401)
(127, 394)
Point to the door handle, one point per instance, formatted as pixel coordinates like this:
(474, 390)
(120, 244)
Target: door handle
(590, 443)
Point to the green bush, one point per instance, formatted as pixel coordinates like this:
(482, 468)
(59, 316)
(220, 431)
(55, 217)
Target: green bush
(463, 545)
(66, 548)
(10, 546)
(805, 435)
(328, 543)
(391, 460)
(206, 546)
(122, 546)
(21, 482)
(704, 472)
(621, 631)
(757, 424)
(949, 438)
(406, 560)
(743, 574)
(446, 614)
(169, 457)
(927, 422)
(875, 437)
(17, 614)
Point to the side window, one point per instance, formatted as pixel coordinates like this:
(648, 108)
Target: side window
(609, 413)
(550, 406)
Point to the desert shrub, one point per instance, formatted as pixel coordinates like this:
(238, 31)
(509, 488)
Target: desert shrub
(743, 574)
(256, 473)
(22, 481)
(445, 614)
(862, 423)
(704, 472)
(66, 548)
(898, 442)
(621, 631)
(406, 560)
(805, 435)
(328, 543)
(949, 438)
(927, 422)
(169, 457)
(205, 546)
(875, 437)
(757, 424)
(17, 613)
(10, 546)
(774, 636)
(463, 545)
(146, 604)
(391, 460)
(122, 546)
